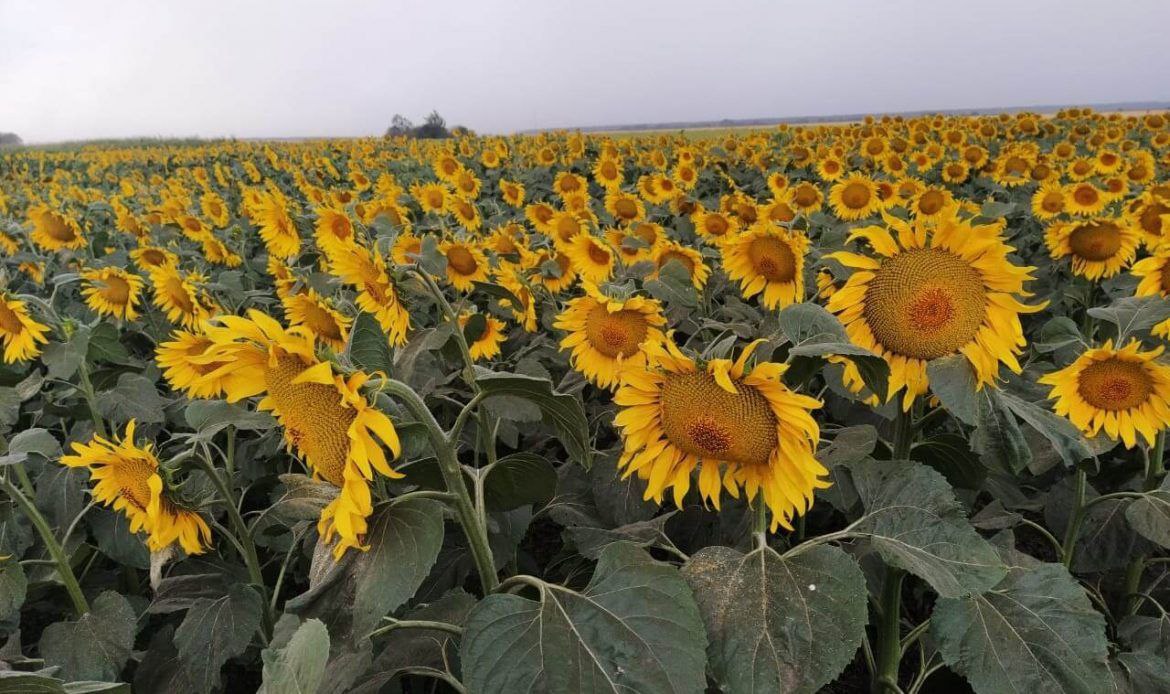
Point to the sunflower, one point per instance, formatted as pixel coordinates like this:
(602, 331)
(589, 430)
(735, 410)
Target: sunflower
(466, 264)
(609, 336)
(554, 270)
(714, 227)
(405, 246)
(524, 312)
(325, 416)
(111, 291)
(1153, 275)
(215, 209)
(592, 258)
(127, 478)
(8, 245)
(465, 212)
(624, 207)
(767, 259)
(742, 429)
(936, 289)
(1049, 201)
(21, 336)
(217, 252)
(1086, 199)
(539, 214)
(564, 227)
(277, 230)
(826, 284)
(178, 296)
(1152, 216)
(333, 228)
(854, 197)
(431, 197)
(512, 193)
(316, 313)
(932, 203)
(1099, 247)
(53, 231)
(830, 168)
(691, 261)
(608, 173)
(1124, 392)
(365, 271)
(152, 258)
(486, 345)
(177, 359)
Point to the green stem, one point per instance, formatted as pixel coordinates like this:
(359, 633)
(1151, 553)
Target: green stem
(64, 570)
(473, 527)
(417, 624)
(241, 534)
(1155, 468)
(889, 654)
(760, 522)
(453, 318)
(99, 424)
(1068, 547)
(889, 628)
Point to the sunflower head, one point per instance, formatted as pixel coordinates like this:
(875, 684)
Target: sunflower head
(768, 260)
(112, 291)
(20, 334)
(607, 335)
(1098, 248)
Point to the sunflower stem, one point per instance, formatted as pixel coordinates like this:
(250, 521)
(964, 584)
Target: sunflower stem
(241, 534)
(1155, 468)
(64, 570)
(1068, 547)
(473, 526)
(99, 424)
(889, 627)
(453, 319)
(760, 522)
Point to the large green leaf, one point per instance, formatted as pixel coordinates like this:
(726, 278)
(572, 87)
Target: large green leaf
(1034, 632)
(561, 410)
(814, 332)
(1066, 440)
(997, 437)
(635, 628)
(369, 347)
(28, 442)
(13, 586)
(777, 624)
(299, 666)
(1149, 515)
(353, 595)
(915, 523)
(96, 646)
(134, 396)
(214, 630)
(1133, 314)
(952, 380)
(519, 479)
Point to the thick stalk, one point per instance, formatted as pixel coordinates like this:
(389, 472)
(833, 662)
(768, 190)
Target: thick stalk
(1068, 548)
(889, 628)
(1155, 468)
(473, 527)
(64, 570)
(760, 522)
(99, 424)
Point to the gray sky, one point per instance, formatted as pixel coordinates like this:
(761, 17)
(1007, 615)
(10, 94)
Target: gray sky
(111, 68)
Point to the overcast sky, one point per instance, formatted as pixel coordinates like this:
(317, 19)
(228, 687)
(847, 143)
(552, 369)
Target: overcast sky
(81, 69)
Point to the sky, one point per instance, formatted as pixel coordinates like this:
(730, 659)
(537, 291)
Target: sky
(73, 69)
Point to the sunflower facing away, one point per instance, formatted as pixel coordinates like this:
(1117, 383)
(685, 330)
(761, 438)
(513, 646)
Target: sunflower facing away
(111, 291)
(21, 336)
(1124, 392)
(486, 345)
(768, 259)
(325, 416)
(609, 336)
(1099, 247)
(934, 289)
(127, 478)
(742, 429)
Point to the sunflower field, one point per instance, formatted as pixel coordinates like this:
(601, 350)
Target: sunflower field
(866, 407)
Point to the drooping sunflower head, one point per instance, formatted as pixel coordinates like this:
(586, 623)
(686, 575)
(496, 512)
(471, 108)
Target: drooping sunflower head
(21, 336)
(486, 343)
(744, 430)
(365, 270)
(179, 297)
(1098, 247)
(1123, 392)
(276, 226)
(127, 478)
(607, 335)
(768, 259)
(931, 290)
(112, 291)
(54, 231)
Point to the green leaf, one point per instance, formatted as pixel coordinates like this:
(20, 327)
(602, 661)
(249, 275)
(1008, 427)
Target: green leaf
(9, 408)
(369, 347)
(112, 532)
(1066, 440)
(13, 586)
(673, 286)
(299, 667)
(915, 523)
(96, 646)
(591, 541)
(475, 328)
(216, 629)
(209, 417)
(430, 258)
(1139, 673)
(995, 210)
(1058, 333)
(1133, 314)
(133, 397)
(997, 437)
(950, 455)
(105, 345)
(810, 322)
(952, 380)
(1035, 631)
(28, 442)
(561, 410)
(499, 292)
(519, 479)
(777, 624)
(352, 596)
(1150, 516)
(64, 358)
(303, 498)
(635, 628)
(60, 491)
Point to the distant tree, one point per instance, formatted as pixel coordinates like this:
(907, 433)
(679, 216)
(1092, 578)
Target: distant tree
(433, 128)
(10, 139)
(400, 125)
